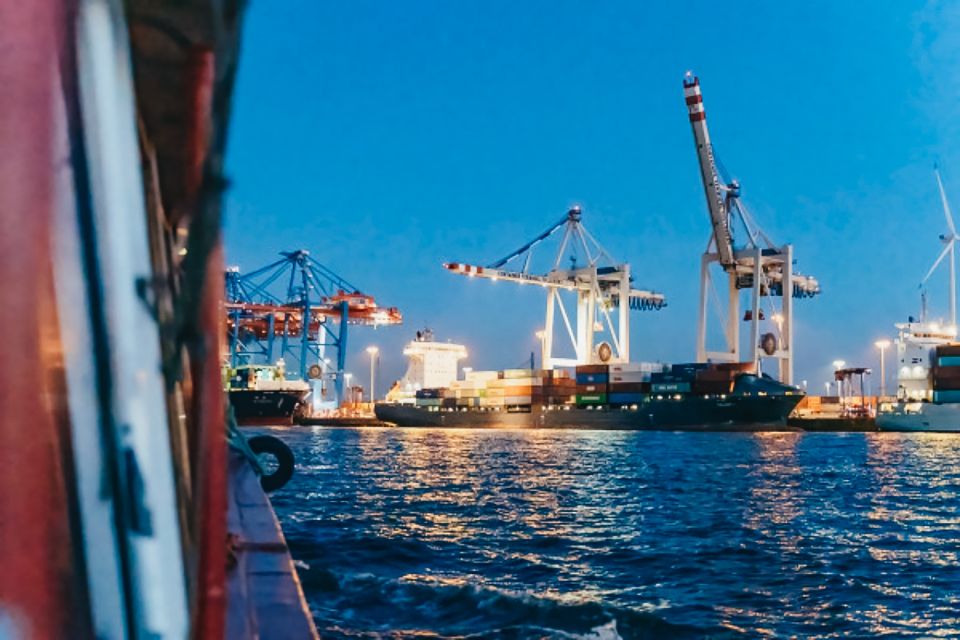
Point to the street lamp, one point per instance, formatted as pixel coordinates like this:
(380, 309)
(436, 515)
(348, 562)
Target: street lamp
(467, 371)
(373, 351)
(347, 377)
(882, 345)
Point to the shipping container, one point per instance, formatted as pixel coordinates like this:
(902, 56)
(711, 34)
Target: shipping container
(670, 387)
(522, 382)
(946, 383)
(948, 350)
(948, 361)
(688, 368)
(586, 389)
(628, 387)
(593, 368)
(951, 396)
(428, 393)
(588, 378)
(626, 398)
(630, 376)
(593, 398)
(517, 373)
(712, 387)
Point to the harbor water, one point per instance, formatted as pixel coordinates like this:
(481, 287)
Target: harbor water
(604, 534)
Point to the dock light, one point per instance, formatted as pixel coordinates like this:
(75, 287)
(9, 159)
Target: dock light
(838, 364)
(882, 345)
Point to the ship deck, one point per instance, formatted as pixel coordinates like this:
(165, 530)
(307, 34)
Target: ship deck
(265, 598)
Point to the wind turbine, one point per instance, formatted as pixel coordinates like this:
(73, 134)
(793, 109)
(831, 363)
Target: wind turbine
(950, 248)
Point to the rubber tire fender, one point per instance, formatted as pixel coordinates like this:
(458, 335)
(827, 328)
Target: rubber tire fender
(278, 449)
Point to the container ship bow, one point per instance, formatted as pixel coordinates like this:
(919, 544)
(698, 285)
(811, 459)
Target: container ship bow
(125, 513)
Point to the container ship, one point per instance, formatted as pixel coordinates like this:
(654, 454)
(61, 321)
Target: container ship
(261, 394)
(928, 380)
(632, 396)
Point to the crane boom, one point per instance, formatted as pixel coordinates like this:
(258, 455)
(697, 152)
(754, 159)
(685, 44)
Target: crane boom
(573, 280)
(712, 185)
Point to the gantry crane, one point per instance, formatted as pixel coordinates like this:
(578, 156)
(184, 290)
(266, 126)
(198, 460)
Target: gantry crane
(280, 299)
(756, 264)
(601, 285)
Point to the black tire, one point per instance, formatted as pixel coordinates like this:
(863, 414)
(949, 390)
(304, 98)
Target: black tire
(275, 447)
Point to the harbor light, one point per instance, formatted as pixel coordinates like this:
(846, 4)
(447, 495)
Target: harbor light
(838, 364)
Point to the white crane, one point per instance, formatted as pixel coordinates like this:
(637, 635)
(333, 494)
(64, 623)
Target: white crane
(757, 264)
(600, 284)
(949, 241)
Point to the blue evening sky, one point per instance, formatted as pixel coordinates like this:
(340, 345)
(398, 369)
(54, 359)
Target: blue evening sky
(389, 137)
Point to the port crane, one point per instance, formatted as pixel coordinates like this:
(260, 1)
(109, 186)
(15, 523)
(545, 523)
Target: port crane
(602, 286)
(756, 264)
(307, 307)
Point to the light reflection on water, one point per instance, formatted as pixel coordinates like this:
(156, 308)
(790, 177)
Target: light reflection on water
(529, 533)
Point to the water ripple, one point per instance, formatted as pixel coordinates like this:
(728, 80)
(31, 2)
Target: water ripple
(563, 534)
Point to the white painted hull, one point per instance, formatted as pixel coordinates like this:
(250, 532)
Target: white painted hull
(920, 417)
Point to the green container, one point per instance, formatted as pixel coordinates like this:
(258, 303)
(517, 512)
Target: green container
(592, 398)
(670, 387)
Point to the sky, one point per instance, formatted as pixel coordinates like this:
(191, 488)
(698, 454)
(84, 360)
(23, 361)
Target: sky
(390, 137)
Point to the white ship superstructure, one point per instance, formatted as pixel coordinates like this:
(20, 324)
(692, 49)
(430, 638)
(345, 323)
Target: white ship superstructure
(431, 365)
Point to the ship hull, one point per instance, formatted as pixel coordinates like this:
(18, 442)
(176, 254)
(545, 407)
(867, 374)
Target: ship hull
(690, 414)
(939, 418)
(266, 407)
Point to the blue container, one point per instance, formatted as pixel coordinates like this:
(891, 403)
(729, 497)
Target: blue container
(592, 378)
(625, 398)
(947, 396)
(948, 361)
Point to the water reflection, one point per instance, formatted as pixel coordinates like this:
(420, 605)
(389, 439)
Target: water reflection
(461, 532)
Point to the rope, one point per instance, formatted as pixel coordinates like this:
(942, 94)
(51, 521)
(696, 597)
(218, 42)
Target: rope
(238, 442)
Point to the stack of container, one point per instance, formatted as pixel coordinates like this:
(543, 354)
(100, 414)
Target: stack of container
(629, 383)
(428, 397)
(677, 380)
(592, 382)
(945, 374)
(700, 378)
(558, 387)
(718, 379)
